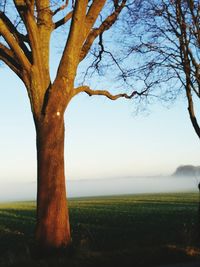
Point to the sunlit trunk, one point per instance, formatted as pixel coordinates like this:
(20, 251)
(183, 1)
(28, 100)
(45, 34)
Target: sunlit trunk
(52, 230)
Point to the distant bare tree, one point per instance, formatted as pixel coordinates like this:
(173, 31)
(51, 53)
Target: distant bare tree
(163, 36)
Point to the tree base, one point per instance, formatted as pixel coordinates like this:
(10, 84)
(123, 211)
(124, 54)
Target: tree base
(40, 252)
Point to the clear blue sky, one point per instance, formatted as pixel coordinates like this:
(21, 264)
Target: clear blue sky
(103, 138)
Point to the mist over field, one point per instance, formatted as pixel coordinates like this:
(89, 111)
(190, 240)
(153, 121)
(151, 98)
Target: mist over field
(111, 186)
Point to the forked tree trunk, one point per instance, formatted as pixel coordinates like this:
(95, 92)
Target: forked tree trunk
(52, 229)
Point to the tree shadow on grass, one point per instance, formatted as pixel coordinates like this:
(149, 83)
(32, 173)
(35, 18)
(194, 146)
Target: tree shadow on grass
(16, 229)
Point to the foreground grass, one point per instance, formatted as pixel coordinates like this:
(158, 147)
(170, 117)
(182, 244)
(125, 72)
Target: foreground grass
(140, 230)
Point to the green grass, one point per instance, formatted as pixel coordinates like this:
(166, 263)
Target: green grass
(140, 230)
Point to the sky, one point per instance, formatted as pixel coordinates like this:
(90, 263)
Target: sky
(103, 138)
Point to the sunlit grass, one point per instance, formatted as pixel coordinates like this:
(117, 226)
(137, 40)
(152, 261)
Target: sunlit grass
(107, 230)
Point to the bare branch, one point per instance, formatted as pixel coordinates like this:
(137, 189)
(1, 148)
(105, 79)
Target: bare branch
(70, 57)
(43, 12)
(26, 13)
(14, 45)
(91, 17)
(192, 111)
(18, 36)
(165, 41)
(94, 33)
(90, 92)
(8, 57)
(63, 20)
(93, 14)
(60, 8)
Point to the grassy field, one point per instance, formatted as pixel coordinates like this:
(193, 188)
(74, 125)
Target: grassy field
(140, 230)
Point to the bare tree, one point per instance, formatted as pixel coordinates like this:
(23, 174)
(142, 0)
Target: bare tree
(164, 39)
(24, 47)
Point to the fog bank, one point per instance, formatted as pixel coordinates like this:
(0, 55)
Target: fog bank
(100, 187)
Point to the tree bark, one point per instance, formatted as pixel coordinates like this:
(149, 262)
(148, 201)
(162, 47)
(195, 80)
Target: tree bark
(52, 229)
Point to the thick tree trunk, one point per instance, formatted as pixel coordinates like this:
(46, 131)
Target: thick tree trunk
(52, 229)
